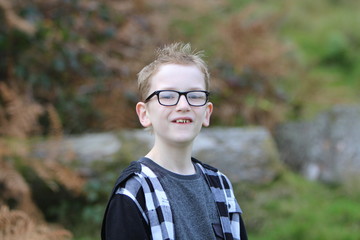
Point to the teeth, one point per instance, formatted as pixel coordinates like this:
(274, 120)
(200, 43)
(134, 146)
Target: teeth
(182, 121)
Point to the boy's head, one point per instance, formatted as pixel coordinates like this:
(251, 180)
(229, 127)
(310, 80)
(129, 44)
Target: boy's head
(174, 94)
(176, 53)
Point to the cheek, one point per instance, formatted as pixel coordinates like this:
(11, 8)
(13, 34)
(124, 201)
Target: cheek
(200, 116)
(158, 114)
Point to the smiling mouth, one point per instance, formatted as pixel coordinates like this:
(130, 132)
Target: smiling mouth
(182, 121)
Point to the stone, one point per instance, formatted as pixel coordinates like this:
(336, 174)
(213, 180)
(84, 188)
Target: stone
(326, 148)
(243, 154)
(87, 147)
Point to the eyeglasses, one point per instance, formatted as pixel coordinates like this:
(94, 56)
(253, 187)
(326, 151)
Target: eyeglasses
(171, 98)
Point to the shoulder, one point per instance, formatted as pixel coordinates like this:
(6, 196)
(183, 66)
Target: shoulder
(129, 186)
(127, 179)
(204, 165)
(210, 170)
(217, 178)
(133, 169)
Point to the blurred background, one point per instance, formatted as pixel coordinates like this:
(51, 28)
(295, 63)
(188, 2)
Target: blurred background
(68, 68)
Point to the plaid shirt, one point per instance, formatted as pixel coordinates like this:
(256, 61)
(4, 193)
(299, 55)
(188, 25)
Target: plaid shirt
(157, 212)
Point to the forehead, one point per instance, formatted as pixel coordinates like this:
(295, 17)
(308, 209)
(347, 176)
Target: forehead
(177, 76)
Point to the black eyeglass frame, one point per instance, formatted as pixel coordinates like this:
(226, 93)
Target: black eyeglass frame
(180, 94)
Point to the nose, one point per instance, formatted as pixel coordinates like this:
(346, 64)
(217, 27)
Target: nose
(183, 104)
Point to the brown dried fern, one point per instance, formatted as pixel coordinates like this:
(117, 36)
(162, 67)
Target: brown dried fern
(252, 43)
(19, 115)
(24, 221)
(17, 191)
(13, 20)
(16, 224)
(258, 59)
(55, 174)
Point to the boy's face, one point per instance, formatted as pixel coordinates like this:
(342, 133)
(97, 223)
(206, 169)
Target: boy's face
(180, 123)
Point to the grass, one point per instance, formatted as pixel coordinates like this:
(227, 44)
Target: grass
(326, 45)
(297, 209)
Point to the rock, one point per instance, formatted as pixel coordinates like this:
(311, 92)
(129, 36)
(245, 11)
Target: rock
(242, 154)
(327, 148)
(87, 148)
(90, 147)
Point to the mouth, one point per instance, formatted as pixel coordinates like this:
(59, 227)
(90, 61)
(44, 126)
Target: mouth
(182, 121)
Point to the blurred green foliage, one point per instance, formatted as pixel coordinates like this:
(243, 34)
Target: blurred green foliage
(270, 61)
(57, 59)
(294, 208)
(86, 217)
(326, 47)
(63, 64)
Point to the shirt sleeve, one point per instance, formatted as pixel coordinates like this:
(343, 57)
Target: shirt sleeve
(124, 220)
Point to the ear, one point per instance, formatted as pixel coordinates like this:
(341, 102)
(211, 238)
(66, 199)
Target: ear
(142, 113)
(208, 111)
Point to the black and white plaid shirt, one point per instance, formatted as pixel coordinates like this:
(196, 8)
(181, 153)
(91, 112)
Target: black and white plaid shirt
(157, 212)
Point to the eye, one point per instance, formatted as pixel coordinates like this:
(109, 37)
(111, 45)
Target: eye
(196, 95)
(167, 95)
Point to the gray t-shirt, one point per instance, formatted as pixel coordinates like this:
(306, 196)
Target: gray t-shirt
(192, 203)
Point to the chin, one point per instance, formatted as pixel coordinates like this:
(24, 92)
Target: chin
(184, 139)
(180, 136)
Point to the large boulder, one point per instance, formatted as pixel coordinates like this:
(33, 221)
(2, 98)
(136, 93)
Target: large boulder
(242, 154)
(326, 148)
(87, 147)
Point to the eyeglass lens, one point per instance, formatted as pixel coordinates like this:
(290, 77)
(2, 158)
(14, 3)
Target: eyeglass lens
(194, 98)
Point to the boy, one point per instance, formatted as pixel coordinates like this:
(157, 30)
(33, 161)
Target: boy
(168, 194)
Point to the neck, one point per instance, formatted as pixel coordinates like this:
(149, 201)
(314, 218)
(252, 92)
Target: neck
(176, 159)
